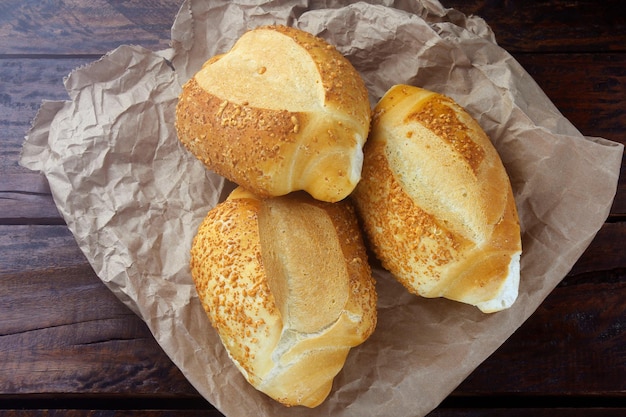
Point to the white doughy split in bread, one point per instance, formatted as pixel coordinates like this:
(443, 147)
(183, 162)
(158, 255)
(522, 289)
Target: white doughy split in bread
(286, 283)
(436, 202)
(508, 292)
(281, 111)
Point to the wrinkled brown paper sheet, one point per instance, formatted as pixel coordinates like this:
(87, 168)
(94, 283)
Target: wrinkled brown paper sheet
(133, 197)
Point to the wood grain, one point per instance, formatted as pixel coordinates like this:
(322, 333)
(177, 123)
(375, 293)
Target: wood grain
(442, 412)
(587, 88)
(549, 411)
(112, 413)
(538, 26)
(24, 195)
(68, 347)
(63, 331)
(24, 84)
(586, 315)
(35, 27)
(75, 27)
(605, 254)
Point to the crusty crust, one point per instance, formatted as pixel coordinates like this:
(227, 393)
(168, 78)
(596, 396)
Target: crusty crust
(275, 127)
(244, 144)
(436, 201)
(286, 283)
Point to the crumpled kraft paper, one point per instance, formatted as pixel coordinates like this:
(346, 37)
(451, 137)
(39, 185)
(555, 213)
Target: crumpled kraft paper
(133, 197)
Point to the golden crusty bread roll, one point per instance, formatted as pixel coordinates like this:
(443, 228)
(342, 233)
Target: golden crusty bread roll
(286, 283)
(281, 111)
(436, 201)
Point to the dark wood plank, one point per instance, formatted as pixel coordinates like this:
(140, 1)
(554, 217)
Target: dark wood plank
(95, 344)
(148, 412)
(84, 27)
(25, 198)
(63, 331)
(442, 412)
(619, 203)
(109, 413)
(95, 27)
(589, 89)
(25, 83)
(551, 26)
(530, 411)
(573, 344)
(36, 248)
(604, 255)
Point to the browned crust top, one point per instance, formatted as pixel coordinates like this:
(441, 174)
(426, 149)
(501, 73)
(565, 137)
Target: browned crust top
(437, 114)
(237, 141)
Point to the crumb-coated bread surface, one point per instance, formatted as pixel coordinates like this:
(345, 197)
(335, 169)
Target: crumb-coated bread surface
(282, 111)
(287, 285)
(436, 202)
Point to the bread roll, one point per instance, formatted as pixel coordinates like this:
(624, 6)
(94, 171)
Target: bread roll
(281, 111)
(286, 283)
(436, 201)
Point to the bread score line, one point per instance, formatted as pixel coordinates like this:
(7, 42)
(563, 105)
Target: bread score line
(281, 111)
(436, 202)
(282, 269)
(287, 284)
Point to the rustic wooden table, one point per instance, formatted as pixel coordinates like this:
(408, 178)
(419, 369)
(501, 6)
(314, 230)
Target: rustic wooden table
(69, 347)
